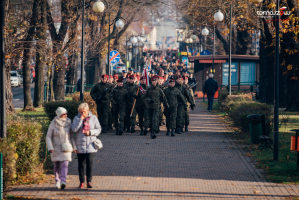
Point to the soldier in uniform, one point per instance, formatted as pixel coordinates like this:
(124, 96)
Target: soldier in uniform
(100, 93)
(153, 98)
(141, 108)
(124, 75)
(190, 91)
(181, 107)
(173, 96)
(131, 71)
(131, 88)
(118, 100)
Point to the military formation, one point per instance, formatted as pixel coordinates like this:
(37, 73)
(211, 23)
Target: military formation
(127, 101)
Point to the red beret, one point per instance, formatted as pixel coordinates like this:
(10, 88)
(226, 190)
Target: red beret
(120, 80)
(185, 77)
(171, 80)
(178, 76)
(131, 77)
(161, 77)
(142, 77)
(115, 76)
(154, 78)
(104, 76)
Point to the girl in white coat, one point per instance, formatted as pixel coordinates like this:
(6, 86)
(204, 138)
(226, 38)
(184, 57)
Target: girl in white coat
(60, 142)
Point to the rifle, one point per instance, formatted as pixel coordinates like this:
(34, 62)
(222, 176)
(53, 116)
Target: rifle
(191, 86)
(166, 83)
(102, 94)
(134, 103)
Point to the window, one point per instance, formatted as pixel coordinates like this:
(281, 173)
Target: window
(234, 73)
(247, 73)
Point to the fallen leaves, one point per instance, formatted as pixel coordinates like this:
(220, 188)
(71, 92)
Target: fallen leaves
(138, 178)
(256, 192)
(193, 188)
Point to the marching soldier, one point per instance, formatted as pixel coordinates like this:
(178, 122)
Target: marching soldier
(173, 96)
(100, 94)
(141, 108)
(153, 98)
(181, 106)
(190, 91)
(118, 100)
(132, 90)
(124, 75)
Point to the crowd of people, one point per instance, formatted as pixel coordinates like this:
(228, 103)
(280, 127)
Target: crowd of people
(167, 100)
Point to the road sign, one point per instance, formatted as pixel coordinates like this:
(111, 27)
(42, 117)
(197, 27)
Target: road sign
(185, 60)
(205, 53)
(114, 57)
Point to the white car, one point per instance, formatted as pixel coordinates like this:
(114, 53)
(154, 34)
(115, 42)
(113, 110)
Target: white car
(15, 79)
(118, 68)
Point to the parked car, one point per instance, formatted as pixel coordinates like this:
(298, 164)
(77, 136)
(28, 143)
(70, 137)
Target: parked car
(32, 70)
(14, 79)
(118, 68)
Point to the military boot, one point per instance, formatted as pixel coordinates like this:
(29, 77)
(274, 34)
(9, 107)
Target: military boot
(158, 130)
(168, 132)
(133, 129)
(120, 131)
(172, 132)
(141, 132)
(110, 127)
(153, 135)
(117, 133)
(104, 130)
(179, 130)
(128, 129)
(182, 129)
(186, 128)
(145, 131)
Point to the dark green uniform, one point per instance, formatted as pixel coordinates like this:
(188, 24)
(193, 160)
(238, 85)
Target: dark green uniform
(190, 91)
(118, 101)
(182, 105)
(173, 96)
(152, 99)
(100, 93)
(141, 108)
(132, 90)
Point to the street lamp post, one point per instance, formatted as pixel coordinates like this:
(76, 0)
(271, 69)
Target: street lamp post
(98, 7)
(2, 78)
(134, 40)
(218, 17)
(205, 33)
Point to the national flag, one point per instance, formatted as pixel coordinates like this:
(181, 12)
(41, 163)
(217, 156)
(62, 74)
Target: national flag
(141, 89)
(145, 73)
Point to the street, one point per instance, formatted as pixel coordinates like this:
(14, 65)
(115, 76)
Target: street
(18, 96)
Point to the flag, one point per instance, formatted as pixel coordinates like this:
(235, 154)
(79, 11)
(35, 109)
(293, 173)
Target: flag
(141, 89)
(145, 73)
(149, 65)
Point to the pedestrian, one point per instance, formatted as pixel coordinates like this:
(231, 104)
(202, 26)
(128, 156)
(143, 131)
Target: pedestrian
(210, 87)
(60, 142)
(100, 93)
(190, 93)
(87, 128)
(153, 98)
(119, 101)
(79, 85)
(173, 96)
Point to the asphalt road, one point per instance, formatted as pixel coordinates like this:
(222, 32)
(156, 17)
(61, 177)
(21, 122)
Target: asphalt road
(18, 96)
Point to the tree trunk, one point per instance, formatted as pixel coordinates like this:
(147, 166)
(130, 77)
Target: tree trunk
(72, 72)
(9, 96)
(28, 105)
(40, 59)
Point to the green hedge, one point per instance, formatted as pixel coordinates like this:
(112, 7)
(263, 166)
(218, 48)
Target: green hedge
(8, 150)
(26, 135)
(240, 110)
(228, 101)
(70, 106)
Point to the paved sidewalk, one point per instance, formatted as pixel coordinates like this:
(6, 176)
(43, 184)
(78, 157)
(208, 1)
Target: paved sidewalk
(200, 164)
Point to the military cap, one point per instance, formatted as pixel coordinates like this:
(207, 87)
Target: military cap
(120, 80)
(105, 76)
(115, 76)
(178, 76)
(154, 78)
(131, 76)
(130, 69)
(171, 80)
(142, 77)
(124, 71)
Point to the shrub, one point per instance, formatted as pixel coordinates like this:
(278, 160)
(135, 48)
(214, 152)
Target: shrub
(8, 150)
(87, 99)
(70, 106)
(26, 135)
(240, 111)
(228, 103)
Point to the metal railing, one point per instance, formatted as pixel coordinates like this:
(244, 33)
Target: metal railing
(69, 89)
(242, 86)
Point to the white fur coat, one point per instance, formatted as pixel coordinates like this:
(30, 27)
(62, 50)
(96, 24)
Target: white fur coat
(60, 132)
